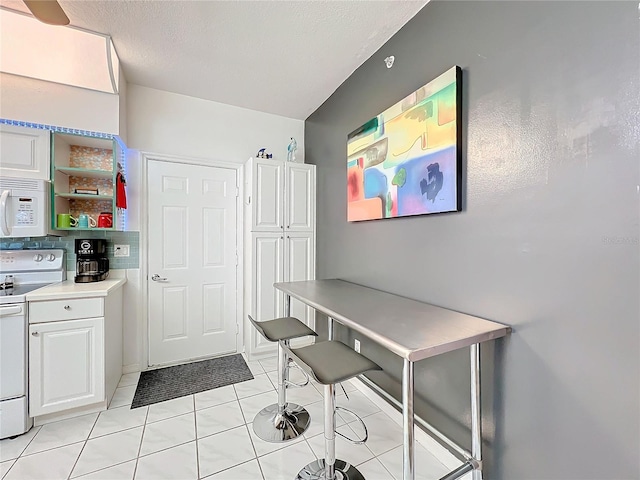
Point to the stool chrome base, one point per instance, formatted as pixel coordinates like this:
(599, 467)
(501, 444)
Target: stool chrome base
(315, 471)
(271, 426)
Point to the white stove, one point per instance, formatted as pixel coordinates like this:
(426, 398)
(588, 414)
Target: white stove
(21, 272)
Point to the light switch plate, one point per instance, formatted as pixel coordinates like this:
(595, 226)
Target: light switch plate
(356, 345)
(121, 250)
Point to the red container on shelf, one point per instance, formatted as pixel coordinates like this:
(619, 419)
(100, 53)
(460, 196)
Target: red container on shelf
(105, 220)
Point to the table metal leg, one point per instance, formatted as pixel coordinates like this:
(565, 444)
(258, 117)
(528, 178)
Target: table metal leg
(284, 357)
(408, 456)
(287, 305)
(476, 425)
(329, 431)
(331, 328)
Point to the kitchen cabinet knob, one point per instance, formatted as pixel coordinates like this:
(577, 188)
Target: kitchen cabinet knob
(35, 334)
(67, 307)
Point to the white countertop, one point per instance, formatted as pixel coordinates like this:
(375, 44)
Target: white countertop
(70, 289)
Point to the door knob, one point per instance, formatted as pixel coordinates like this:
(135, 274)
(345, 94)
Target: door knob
(158, 278)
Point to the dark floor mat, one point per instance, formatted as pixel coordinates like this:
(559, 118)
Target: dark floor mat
(172, 382)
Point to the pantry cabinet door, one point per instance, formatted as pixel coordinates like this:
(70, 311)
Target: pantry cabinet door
(266, 301)
(300, 262)
(66, 365)
(300, 197)
(267, 196)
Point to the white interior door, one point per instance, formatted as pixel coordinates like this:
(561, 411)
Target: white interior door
(192, 261)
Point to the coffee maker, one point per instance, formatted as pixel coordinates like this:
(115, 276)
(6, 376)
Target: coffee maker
(92, 264)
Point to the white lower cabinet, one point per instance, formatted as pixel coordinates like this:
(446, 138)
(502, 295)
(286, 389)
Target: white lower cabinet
(275, 257)
(266, 303)
(74, 362)
(66, 362)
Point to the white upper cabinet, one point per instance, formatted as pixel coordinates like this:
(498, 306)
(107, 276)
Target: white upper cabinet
(281, 195)
(300, 191)
(25, 152)
(268, 215)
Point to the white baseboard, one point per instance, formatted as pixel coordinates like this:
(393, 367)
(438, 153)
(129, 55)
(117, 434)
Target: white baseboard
(65, 414)
(132, 368)
(443, 455)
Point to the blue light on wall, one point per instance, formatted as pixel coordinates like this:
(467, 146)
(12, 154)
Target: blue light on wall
(53, 128)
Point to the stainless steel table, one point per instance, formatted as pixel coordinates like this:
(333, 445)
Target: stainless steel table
(414, 331)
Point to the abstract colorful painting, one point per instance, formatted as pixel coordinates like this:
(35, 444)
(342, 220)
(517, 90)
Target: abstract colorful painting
(407, 160)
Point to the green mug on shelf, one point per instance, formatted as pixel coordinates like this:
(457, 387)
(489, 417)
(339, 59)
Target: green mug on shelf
(66, 220)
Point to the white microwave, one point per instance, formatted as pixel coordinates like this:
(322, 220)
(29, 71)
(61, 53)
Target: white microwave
(24, 208)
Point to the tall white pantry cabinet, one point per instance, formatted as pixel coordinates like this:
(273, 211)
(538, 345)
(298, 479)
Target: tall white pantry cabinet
(280, 217)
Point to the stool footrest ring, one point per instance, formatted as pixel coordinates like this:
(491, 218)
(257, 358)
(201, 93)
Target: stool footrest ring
(355, 441)
(289, 383)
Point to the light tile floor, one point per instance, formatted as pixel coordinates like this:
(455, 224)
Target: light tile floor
(206, 435)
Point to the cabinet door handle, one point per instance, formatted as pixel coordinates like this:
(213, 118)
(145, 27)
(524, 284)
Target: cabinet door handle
(35, 334)
(67, 307)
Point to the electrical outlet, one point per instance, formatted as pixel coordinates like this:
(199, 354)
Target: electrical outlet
(121, 250)
(356, 345)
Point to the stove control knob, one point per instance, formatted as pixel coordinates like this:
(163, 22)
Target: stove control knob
(50, 257)
(37, 257)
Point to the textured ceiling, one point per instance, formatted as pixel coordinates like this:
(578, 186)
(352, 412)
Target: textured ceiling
(281, 57)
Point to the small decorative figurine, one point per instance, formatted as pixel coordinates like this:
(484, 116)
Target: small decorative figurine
(291, 150)
(263, 154)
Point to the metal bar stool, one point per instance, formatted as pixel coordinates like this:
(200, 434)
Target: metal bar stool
(329, 363)
(282, 421)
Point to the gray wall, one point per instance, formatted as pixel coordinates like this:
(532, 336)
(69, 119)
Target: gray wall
(548, 238)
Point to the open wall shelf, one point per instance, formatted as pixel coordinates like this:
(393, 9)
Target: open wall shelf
(85, 172)
(83, 162)
(83, 196)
